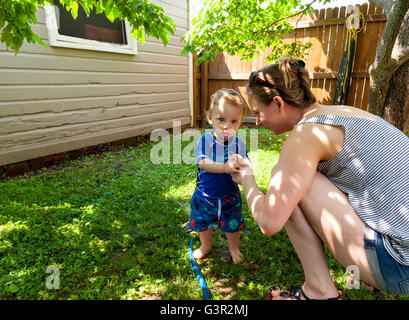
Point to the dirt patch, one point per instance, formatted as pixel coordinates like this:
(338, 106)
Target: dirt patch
(225, 288)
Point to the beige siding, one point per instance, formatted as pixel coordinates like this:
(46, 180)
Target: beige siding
(54, 99)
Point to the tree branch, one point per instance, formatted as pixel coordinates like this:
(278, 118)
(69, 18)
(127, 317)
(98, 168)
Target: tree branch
(284, 18)
(401, 48)
(391, 31)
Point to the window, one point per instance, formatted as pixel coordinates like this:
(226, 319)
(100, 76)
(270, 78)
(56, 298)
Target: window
(95, 32)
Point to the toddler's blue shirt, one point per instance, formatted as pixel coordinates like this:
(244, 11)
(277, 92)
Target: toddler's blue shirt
(217, 185)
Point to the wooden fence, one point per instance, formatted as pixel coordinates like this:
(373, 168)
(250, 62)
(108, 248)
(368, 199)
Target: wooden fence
(326, 30)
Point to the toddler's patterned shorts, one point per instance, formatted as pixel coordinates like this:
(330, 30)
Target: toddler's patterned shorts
(206, 211)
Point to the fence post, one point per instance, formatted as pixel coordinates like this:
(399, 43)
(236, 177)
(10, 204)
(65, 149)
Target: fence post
(204, 91)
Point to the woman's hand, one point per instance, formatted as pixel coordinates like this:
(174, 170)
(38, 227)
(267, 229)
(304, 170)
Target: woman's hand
(246, 169)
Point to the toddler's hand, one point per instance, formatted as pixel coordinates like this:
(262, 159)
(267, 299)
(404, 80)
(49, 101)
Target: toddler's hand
(233, 164)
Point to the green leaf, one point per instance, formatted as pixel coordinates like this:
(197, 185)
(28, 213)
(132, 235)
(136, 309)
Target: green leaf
(74, 10)
(38, 40)
(99, 7)
(171, 27)
(13, 288)
(137, 5)
(87, 9)
(165, 38)
(139, 34)
(6, 35)
(2, 21)
(109, 12)
(16, 43)
(185, 51)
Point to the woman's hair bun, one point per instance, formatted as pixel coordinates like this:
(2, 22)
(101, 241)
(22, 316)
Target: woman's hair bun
(300, 64)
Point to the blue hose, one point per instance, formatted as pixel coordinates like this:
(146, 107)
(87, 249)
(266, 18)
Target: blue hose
(202, 281)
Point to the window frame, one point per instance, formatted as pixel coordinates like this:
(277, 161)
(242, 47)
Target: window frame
(59, 40)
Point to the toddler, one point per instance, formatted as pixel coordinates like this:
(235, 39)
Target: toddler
(217, 197)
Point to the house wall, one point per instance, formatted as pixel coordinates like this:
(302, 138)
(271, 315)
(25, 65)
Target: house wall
(54, 100)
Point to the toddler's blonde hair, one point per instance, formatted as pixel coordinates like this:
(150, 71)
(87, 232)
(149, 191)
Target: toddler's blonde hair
(231, 96)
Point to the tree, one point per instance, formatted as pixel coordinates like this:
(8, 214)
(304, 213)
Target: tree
(17, 17)
(247, 27)
(389, 74)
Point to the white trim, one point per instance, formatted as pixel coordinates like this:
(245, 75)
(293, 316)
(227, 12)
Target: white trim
(190, 69)
(58, 40)
(190, 85)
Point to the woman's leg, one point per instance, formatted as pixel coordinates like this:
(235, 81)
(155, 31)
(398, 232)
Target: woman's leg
(309, 247)
(324, 213)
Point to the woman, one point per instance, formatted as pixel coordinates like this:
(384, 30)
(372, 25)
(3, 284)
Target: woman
(342, 178)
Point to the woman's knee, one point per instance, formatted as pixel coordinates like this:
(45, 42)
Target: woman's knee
(296, 216)
(300, 212)
(322, 192)
(319, 183)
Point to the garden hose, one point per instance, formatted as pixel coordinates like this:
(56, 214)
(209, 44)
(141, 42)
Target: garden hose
(345, 68)
(202, 281)
(351, 33)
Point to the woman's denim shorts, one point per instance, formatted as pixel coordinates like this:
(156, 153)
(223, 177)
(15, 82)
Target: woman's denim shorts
(390, 275)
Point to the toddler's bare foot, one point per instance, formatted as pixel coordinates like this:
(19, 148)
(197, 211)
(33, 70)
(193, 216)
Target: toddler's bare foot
(236, 256)
(199, 253)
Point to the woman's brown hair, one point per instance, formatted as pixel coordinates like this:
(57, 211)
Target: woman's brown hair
(288, 79)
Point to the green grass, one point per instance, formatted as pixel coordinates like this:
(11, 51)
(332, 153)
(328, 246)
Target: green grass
(114, 225)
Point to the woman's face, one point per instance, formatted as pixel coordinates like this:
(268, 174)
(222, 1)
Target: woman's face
(268, 116)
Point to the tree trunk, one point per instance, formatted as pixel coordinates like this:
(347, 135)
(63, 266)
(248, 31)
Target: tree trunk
(389, 89)
(396, 108)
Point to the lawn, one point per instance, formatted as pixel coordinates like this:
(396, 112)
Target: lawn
(114, 225)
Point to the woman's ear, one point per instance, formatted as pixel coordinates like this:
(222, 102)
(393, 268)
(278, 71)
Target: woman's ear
(279, 101)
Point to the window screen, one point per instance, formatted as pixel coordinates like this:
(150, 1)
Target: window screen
(95, 27)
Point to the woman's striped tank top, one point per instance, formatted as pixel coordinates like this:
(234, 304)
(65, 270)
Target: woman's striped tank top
(373, 169)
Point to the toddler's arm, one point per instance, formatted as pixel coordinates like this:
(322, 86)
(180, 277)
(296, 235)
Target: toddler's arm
(231, 166)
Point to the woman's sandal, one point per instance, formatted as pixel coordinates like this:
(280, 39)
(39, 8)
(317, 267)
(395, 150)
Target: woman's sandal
(294, 294)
